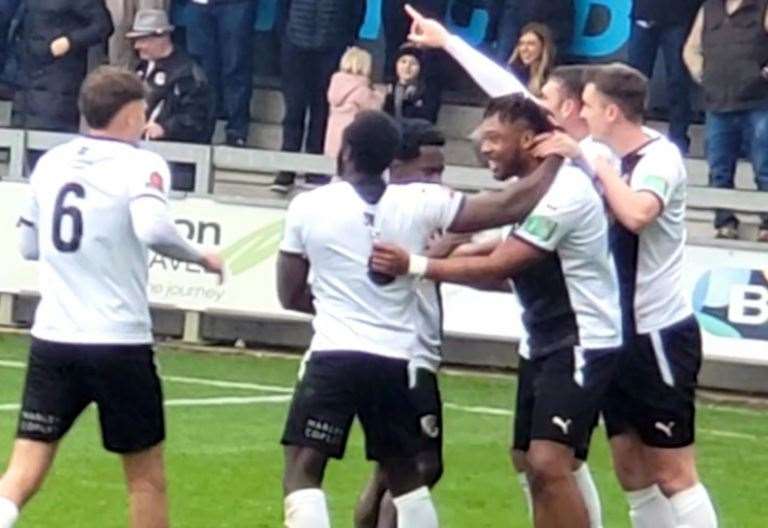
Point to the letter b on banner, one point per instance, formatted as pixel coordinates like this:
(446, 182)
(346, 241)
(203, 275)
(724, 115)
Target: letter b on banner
(748, 304)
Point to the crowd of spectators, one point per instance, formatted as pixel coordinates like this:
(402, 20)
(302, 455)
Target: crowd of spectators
(325, 79)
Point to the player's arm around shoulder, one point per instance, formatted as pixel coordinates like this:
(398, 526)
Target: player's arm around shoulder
(635, 208)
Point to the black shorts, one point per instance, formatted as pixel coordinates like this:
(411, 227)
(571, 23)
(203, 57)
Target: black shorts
(654, 393)
(429, 407)
(63, 379)
(339, 385)
(559, 402)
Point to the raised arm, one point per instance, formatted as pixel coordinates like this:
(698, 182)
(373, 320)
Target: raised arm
(510, 205)
(491, 77)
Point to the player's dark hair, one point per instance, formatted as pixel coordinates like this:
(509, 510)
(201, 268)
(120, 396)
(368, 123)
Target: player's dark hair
(372, 138)
(571, 79)
(516, 108)
(105, 91)
(417, 133)
(626, 87)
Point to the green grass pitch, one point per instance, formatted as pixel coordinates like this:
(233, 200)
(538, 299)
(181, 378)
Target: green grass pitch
(224, 462)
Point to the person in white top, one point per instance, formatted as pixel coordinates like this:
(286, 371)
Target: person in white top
(650, 411)
(561, 96)
(567, 285)
(419, 159)
(366, 323)
(98, 202)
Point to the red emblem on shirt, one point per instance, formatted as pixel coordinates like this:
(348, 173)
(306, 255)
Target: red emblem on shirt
(155, 181)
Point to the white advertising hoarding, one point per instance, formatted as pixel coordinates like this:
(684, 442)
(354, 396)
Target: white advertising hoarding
(728, 288)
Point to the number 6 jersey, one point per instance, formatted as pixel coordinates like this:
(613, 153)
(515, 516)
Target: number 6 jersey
(93, 267)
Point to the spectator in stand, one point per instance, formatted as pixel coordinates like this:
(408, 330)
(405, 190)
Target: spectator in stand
(534, 56)
(396, 25)
(727, 52)
(557, 15)
(220, 38)
(179, 98)
(351, 91)
(654, 26)
(56, 35)
(123, 12)
(316, 34)
(10, 14)
(408, 97)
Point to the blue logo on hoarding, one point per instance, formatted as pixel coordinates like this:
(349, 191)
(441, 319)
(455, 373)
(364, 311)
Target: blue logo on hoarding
(733, 302)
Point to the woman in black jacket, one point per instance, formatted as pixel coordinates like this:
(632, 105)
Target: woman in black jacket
(56, 35)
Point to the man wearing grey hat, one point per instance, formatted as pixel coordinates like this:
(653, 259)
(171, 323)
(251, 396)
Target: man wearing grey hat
(123, 12)
(179, 98)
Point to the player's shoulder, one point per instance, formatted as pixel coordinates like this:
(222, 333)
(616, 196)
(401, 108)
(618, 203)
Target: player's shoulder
(326, 197)
(660, 149)
(418, 191)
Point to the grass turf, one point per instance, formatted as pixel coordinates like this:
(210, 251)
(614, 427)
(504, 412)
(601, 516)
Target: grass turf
(224, 462)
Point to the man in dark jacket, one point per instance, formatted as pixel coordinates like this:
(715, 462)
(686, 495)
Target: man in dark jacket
(655, 24)
(56, 35)
(316, 34)
(179, 99)
(220, 38)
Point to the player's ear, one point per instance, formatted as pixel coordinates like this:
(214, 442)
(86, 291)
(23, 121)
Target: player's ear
(568, 107)
(527, 139)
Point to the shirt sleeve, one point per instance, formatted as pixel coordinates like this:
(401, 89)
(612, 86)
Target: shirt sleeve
(28, 241)
(492, 78)
(553, 218)
(441, 206)
(293, 239)
(151, 179)
(659, 175)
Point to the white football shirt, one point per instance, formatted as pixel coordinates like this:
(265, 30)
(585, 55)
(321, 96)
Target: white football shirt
(571, 297)
(93, 268)
(334, 228)
(650, 265)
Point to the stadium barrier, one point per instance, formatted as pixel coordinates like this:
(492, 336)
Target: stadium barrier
(728, 285)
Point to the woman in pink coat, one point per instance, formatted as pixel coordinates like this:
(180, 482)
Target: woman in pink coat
(351, 91)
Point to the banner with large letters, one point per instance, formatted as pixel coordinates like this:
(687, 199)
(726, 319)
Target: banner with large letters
(728, 288)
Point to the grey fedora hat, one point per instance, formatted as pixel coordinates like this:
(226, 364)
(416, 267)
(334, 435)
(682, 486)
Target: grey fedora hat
(150, 22)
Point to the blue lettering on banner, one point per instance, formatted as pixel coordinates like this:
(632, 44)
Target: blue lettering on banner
(589, 41)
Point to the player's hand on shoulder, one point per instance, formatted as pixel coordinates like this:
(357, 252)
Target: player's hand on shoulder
(556, 144)
(389, 259)
(213, 263)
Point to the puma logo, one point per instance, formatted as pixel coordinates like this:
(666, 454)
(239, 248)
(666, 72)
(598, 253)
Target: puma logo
(564, 425)
(429, 426)
(665, 428)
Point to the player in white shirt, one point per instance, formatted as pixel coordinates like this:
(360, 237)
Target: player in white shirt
(365, 323)
(650, 412)
(561, 96)
(419, 159)
(97, 203)
(566, 282)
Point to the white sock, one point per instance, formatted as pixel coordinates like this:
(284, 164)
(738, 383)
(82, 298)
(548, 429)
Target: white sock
(9, 512)
(694, 508)
(415, 509)
(590, 495)
(525, 485)
(306, 508)
(649, 508)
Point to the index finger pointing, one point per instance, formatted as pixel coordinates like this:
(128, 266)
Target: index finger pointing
(415, 15)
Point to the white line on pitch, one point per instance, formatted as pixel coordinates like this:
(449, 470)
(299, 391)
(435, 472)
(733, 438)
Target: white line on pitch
(192, 381)
(227, 384)
(196, 402)
(492, 411)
